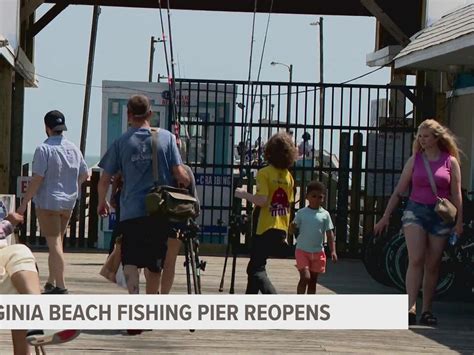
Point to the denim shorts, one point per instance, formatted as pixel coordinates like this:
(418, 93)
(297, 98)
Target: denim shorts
(425, 217)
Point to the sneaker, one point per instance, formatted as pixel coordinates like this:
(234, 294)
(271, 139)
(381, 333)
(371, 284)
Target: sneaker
(56, 291)
(48, 287)
(46, 337)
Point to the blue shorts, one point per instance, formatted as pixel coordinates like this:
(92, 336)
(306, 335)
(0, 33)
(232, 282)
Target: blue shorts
(425, 217)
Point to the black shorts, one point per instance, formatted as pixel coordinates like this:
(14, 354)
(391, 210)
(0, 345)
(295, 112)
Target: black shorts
(144, 242)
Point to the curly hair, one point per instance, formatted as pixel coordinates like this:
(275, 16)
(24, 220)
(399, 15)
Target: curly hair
(447, 142)
(280, 151)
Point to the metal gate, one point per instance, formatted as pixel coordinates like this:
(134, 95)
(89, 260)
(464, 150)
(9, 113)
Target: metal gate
(360, 137)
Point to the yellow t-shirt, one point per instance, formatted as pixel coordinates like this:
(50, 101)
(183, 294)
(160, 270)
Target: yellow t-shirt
(277, 185)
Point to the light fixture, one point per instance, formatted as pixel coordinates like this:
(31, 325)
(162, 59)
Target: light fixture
(3, 41)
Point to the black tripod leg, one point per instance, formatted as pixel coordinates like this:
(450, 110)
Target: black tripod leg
(186, 261)
(234, 263)
(227, 252)
(193, 267)
(198, 265)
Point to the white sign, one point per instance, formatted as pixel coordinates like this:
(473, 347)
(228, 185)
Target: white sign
(204, 312)
(7, 205)
(22, 183)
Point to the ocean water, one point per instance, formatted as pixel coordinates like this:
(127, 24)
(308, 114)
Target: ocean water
(91, 160)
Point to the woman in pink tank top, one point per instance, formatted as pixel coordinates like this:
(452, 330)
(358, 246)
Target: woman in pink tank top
(425, 232)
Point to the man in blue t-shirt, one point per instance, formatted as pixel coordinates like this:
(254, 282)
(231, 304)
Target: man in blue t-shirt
(144, 238)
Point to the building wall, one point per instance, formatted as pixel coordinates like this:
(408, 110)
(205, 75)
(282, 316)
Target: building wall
(461, 122)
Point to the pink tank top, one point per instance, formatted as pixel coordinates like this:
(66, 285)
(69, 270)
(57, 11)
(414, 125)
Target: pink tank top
(421, 189)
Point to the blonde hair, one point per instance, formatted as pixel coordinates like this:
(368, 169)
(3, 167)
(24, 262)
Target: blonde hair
(447, 142)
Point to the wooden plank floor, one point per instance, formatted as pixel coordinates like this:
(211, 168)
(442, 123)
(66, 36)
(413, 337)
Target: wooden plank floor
(454, 334)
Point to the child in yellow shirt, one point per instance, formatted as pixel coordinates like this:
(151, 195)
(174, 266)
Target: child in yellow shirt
(274, 196)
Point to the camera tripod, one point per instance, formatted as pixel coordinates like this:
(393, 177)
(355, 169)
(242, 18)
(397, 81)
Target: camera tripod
(188, 235)
(237, 225)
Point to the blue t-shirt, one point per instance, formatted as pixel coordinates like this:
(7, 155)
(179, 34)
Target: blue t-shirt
(131, 155)
(312, 225)
(61, 164)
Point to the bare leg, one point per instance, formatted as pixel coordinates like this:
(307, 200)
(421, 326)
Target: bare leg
(432, 264)
(132, 278)
(25, 282)
(56, 260)
(174, 245)
(20, 345)
(305, 277)
(416, 239)
(312, 283)
(152, 282)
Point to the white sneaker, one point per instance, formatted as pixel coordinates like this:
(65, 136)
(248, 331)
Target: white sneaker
(46, 337)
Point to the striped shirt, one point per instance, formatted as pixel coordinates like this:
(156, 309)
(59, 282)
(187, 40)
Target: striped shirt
(61, 164)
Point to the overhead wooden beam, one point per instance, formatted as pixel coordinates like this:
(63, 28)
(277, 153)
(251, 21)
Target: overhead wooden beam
(385, 20)
(29, 8)
(47, 18)
(352, 7)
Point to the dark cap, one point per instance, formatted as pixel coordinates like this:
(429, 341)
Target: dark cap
(55, 120)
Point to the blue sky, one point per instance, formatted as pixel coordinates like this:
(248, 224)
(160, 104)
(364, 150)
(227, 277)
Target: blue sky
(207, 45)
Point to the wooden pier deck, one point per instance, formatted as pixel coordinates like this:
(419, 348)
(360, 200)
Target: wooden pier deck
(454, 334)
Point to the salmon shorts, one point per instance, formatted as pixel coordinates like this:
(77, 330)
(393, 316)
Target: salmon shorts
(314, 262)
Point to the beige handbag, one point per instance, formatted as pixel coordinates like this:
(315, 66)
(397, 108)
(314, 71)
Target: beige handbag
(444, 208)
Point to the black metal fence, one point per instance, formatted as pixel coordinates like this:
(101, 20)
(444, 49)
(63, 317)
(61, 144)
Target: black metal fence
(360, 137)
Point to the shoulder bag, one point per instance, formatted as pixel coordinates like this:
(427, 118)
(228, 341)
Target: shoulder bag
(168, 201)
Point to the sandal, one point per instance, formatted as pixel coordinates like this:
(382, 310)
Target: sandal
(411, 318)
(427, 318)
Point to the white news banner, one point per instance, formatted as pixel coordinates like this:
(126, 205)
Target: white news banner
(204, 312)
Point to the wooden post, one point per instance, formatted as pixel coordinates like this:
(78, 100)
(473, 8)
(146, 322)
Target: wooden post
(6, 72)
(82, 215)
(33, 227)
(343, 192)
(355, 193)
(16, 144)
(23, 228)
(397, 99)
(92, 236)
(428, 84)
